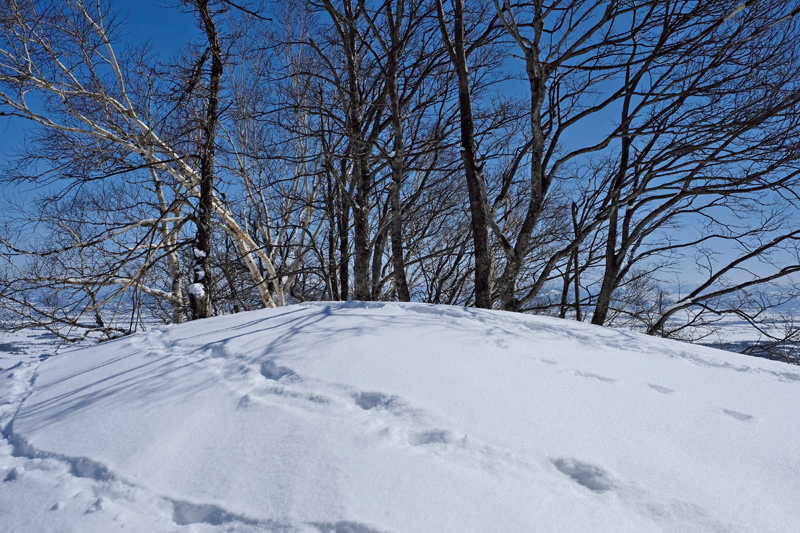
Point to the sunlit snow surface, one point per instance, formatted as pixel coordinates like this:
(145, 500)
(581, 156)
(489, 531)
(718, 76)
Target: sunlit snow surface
(368, 418)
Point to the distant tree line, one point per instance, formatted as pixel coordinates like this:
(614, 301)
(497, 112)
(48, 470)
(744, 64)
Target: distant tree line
(625, 162)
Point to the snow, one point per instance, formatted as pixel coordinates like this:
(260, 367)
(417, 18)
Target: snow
(198, 253)
(368, 418)
(27, 345)
(677, 305)
(197, 290)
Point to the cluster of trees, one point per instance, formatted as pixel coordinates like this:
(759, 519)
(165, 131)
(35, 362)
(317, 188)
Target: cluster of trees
(628, 162)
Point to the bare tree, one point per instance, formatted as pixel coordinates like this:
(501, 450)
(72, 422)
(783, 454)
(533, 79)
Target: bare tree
(380, 150)
(459, 50)
(62, 73)
(200, 291)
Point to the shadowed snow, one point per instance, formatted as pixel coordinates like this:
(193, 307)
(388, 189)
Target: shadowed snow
(398, 418)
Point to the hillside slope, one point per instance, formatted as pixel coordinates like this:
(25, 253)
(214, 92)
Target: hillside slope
(398, 418)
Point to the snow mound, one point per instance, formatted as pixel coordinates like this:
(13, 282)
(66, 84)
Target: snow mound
(390, 418)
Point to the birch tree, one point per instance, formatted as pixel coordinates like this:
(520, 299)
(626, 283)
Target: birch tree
(60, 70)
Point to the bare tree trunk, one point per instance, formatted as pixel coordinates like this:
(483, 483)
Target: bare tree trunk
(359, 157)
(396, 159)
(333, 275)
(567, 279)
(361, 230)
(377, 265)
(475, 185)
(344, 239)
(575, 264)
(610, 272)
(200, 294)
(170, 238)
(614, 258)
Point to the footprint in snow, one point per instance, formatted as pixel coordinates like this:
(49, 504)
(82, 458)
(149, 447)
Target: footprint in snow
(595, 376)
(433, 436)
(342, 527)
(245, 402)
(274, 372)
(14, 474)
(217, 350)
(99, 505)
(372, 400)
(186, 514)
(742, 417)
(587, 475)
(659, 388)
(255, 397)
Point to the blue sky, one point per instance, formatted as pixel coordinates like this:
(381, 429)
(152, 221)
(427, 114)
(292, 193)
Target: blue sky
(161, 21)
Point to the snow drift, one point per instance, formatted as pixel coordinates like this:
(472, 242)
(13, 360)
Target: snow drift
(398, 418)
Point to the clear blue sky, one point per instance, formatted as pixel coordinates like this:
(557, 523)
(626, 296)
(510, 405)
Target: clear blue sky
(165, 22)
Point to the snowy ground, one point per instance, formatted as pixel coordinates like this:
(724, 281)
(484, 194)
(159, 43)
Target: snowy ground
(26, 346)
(369, 418)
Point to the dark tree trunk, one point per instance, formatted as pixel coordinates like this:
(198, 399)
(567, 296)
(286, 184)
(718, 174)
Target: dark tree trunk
(200, 295)
(475, 187)
(333, 281)
(614, 257)
(396, 159)
(576, 264)
(361, 230)
(344, 240)
(377, 265)
(359, 155)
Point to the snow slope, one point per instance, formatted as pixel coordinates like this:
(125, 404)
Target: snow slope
(413, 418)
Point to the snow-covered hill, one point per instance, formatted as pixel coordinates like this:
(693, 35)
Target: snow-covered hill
(410, 418)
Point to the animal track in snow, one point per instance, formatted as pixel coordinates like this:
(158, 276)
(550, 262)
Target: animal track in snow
(98, 505)
(217, 350)
(256, 396)
(14, 474)
(343, 527)
(185, 513)
(659, 388)
(80, 467)
(594, 376)
(737, 415)
(274, 372)
(501, 343)
(108, 491)
(433, 436)
(372, 400)
(590, 476)
(245, 402)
